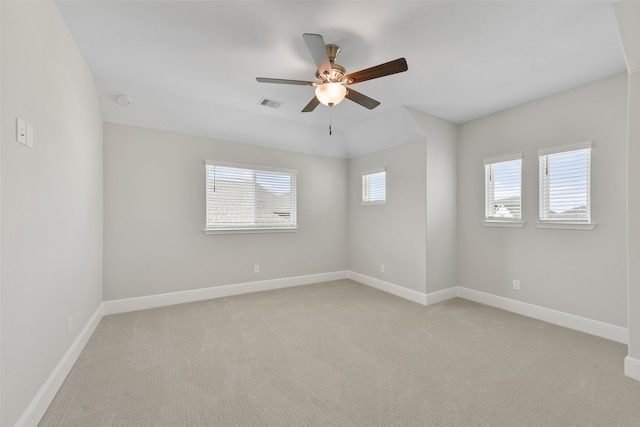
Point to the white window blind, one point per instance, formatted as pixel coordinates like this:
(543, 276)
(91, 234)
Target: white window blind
(565, 183)
(503, 182)
(374, 187)
(244, 197)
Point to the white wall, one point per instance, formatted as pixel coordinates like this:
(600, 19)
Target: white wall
(51, 215)
(393, 234)
(577, 272)
(155, 216)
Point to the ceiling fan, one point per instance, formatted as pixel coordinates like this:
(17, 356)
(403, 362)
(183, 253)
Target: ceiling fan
(332, 79)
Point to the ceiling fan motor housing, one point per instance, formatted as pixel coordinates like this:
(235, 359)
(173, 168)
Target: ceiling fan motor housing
(337, 70)
(336, 75)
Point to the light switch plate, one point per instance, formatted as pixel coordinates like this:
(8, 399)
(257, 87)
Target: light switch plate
(21, 131)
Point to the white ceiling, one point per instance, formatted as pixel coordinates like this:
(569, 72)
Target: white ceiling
(190, 66)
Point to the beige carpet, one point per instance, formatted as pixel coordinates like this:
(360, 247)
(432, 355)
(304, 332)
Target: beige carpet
(342, 354)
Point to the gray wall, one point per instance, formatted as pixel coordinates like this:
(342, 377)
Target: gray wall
(414, 234)
(155, 216)
(574, 271)
(393, 234)
(628, 18)
(51, 199)
(441, 194)
(634, 213)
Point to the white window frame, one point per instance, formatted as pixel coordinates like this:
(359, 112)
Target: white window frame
(544, 221)
(255, 227)
(366, 188)
(489, 195)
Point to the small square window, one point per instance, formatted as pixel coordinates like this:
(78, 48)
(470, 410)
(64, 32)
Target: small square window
(374, 187)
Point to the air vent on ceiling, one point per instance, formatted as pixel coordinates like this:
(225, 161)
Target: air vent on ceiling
(270, 103)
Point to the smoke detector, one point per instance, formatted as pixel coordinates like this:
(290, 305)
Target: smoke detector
(123, 100)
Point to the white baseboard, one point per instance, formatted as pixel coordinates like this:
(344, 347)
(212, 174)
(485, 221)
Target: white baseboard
(441, 295)
(399, 291)
(571, 321)
(38, 406)
(162, 300)
(632, 367)
(593, 327)
(396, 290)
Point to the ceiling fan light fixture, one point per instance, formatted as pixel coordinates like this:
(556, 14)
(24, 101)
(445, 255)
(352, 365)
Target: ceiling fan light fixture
(331, 93)
(331, 78)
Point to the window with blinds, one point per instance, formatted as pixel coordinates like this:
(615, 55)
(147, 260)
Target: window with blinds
(243, 197)
(374, 187)
(502, 188)
(565, 183)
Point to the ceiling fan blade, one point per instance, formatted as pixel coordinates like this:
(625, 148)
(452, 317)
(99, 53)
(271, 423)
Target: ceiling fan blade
(284, 81)
(318, 50)
(311, 105)
(361, 99)
(392, 67)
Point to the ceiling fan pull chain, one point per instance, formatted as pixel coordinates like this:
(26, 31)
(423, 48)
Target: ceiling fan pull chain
(330, 119)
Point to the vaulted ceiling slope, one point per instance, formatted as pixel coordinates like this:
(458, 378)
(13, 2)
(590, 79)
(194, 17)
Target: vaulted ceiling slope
(190, 66)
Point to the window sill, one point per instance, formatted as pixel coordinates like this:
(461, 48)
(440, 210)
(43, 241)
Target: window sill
(567, 225)
(509, 224)
(252, 230)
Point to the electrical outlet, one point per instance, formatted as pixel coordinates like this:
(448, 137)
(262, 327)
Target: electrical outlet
(256, 269)
(68, 325)
(382, 269)
(516, 284)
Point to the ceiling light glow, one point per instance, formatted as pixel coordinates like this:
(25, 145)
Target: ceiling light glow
(331, 93)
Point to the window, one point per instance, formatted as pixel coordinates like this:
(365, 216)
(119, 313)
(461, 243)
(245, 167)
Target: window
(565, 181)
(249, 198)
(502, 188)
(374, 187)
